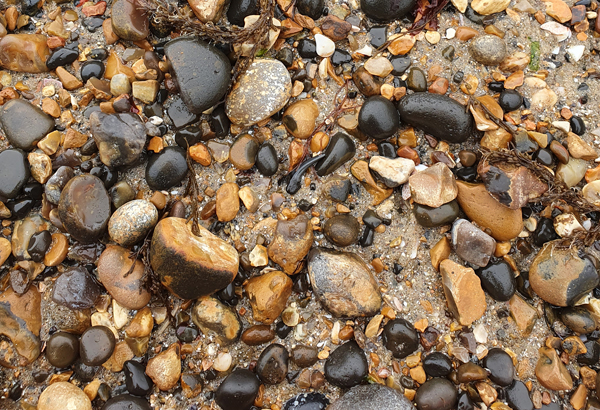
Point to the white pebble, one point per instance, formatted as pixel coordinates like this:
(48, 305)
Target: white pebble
(325, 46)
(576, 52)
(365, 51)
(450, 33)
(562, 125)
(223, 362)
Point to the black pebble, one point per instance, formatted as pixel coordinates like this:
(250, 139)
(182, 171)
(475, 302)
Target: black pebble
(378, 118)
(510, 100)
(38, 245)
(96, 345)
(311, 8)
(14, 172)
(126, 402)
(188, 136)
(266, 160)
(500, 365)
(371, 219)
(437, 364)
(400, 64)
(577, 125)
(307, 401)
(378, 36)
(238, 390)
(62, 349)
(387, 149)
(436, 394)
(592, 356)
(61, 57)
(166, 169)
(386, 10)
(517, 396)
(544, 232)
(91, 68)
(465, 402)
(346, 366)
(219, 122)
(340, 57)
(400, 337)
(498, 280)
(272, 364)
(307, 48)
(136, 380)
(240, 9)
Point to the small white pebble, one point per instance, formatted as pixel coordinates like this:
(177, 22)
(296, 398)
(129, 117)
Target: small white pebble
(223, 362)
(576, 52)
(562, 125)
(450, 33)
(325, 46)
(365, 51)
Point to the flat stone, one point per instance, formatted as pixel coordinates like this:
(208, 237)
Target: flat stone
(471, 243)
(75, 289)
(462, 287)
(216, 320)
(260, 92)
(433, 186)
(25, 53)
(14, 172)
(24, 124)
(488, 49)
(268, 295)
(132, 221)
(165, 368)
(63, 395)
(523, 314)
(392, 171)
(120, 138)
(372, 397)
(291, 243)
(21, 319)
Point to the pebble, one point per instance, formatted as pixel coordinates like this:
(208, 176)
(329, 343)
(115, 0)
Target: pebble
(75, 289)
(165, 368)
(272, 364)
(291, 242)
(392, 171)
(179, 113)
(63, 394)
(84, 208)
(267, 162)
(166, 169)
(217, 320)
(325, 46)
(470, 372)
(437, 115)
(372, 397)
(14, 172)
(243, 151)
(510, 100)
(378, 118)
(400, 337)
(129, 21)
(551, 372)
(343, 283)
(572, 172)
(342, 230)
(437, 364)
(366, 83)
(463, 291)
(560, 276)
(24, 123)
(346, 366)
(300, 118)
(311, 8)
(198, 273)
(436, 394)
(471, 243)
(62, 349)
(268, 295)
(416, 80)
(61, 57)
(26, 53)
(238, 390)
(498, 280)
(126, 402)
(578, 319)
(132, 221)
(228, 201)
(434, 217)
(259, 93)
(340, 150)
(487, 7)
(137, 382)
(434, 186)
(488, 49)
(384, 11)
(120, 138)
(500, 365)
(240, 9)
(5, 250)
(96, 345)
(24, 230)
(208, 11)
(22, 319)
(202, 71)
(91, 69)
(379, 66)
(304, 356)
(258, 335)
(307, 401)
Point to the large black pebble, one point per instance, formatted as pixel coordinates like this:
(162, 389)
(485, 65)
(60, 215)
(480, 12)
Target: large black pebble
(96, 345)
(347, 366)
(517, 396)
(498, 280)
(136, 380)
(272, 364)
(126, 402)
(238, 390)
(240, 9)
(500, 365)
(62, 349)
(386, 10)
(378, 118)
(166, 169)
(340, 150)
(400, 337)
(437, 364)
(266, 160)
(311, 8)
(14, 172)
(61, 57)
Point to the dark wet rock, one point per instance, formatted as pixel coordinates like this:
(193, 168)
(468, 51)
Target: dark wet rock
(437, 364)
(578, 319)
(544, 232)
(378, 118)
(311, 8)
(471, 243)
(383, 10)
(560, 276)
(120, 138)
(346, 366)
(61, 57)
(592, 356)
(366, 83)
(307, 48)
(436, 394)
(498, 280)
(240, 9)
(401, 64)
(84, 208)
(137, 382)
(96, 345)
(272, 364)
(304, 356)
(21, 319)
(202, 71)
(38, 245)
(510, 100)
(307, 401)
(131, 222)
(340, 150)
(470, 372)
(400, 337)
(342, 230)
(258, 335)
(166, 169)
(416, 80)
(517, 396)
(336, 188)
(91, 69)
(291, 242)
(238, 390)
(433, 217)
(126, 402)
(24, 124)
(75, 289)
(577, 125)
(266, 160)
(500, 365)
(14, 172)
(188, 136)
(343, 283)
(372, 397)
(465, 402)
(177, 257)
(488, 49)
(180, 115)
(62, 349)
(129, 20)
(437, 115)
(57, 182)
(214, 318)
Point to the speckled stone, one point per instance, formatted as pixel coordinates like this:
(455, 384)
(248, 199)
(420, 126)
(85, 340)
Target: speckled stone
(372, 397)
(259, 93)
(63, 395)
(131, 222)
(120, 137)
(488, 49)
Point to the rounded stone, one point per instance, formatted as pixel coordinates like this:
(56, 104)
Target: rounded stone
(340, 150)
(129, 20)
(217, 320)
(24, 52)
(243, 151)
(311, 8)
(342, 230)
(510, 100)
(346, 366)
(400, 337)
(62, 349)
(266, 160)
(272, 364)
(132, 221)
(578, 319)
(240, 9)
(304, 356)
(166, 169)
(416, 79)
(137, 382)
(84, 208)
(96, 345)
(488, 49)
(14, 173)
(307, 401)
(61, 395)
(91, 69)
(24, 123)
(300, 118)
(258, 335)
(238, 390)
(498, 280)
(500, 365)
(517, 396)
(433, 217)
(437, 364)
(126, 402)
(386, 10)
(372, 397)
(436, 394)
(378, 118)
(75, 289)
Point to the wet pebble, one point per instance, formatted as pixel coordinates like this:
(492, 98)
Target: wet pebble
(166, 169)
(372, 397)
(14, 172)
(517, 396)
(120, 138)
(498, 280)
(437, 364)
(266, 160)
(137, 382)
(238, 390)
(217, 320)
(272, 364)
(510, 100)
(126, 402)
(91, 69)
(578, 319)
(340, 150)
(291, 242)
(346, 366)
(75, 289)
(400, 337)
(416, 80)
(165, 368)
(470, 372)
(436, 394)
(129, 20)
(500, 365)
(488, 49)
(240, 9)
(62, 349)
(24, 123)
(96, 345)
(378, 118)
(300, 118)
(311, 8)
(342, 230)
(393, 172)
(258, 335)
(433, 217)
(61, 57)
(307, 401)
(243, 152)
(382, 10)
(304, 356)
(62, 394)
(24, 52)
(268, 295)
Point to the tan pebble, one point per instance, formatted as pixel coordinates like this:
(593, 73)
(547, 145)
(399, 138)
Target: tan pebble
(51, 107)
(5, 250)
(74, 139)
(551, 372)
(165, 368)
(523, 314)
(141, 325)
(418, 374)
(108, 32)
(199, 153)
(464, 33)
(463, 291)
(63, 395)
(268, 295)
(120, 355)
(159, 200)
(91, 390)
(373, 327)
(439, 252)
(487, 7)
(402, 45)
(228, 202)
(249, 198)
(40, 165)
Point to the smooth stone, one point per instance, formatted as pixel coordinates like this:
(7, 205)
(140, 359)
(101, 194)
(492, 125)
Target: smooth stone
(378, 118)
(577, 125)
(336, 188)
(54, 186)
(61, 57)
(300, 118)
(437, 115)
(84, 208)
(202, 71)
(384, 10)
(227, 203)
(132, 221)
(462, 288)
(208, 11)
(268, 295)
(346, 366)
(26, 53)
(129, 21)
(436, 394)
(304, 356)
(61, 395)
(62, 349)
(120, 138)
(551, 372)
(291, 242)
(240, 9)
(191, 266)
(14, 172)
(471, 243)
(38, 245)
(257, 335)
(214, 318)
(560, 276)
(165, 368)
(307, 401)
(366, 83)
(488, 49)
(401, 64)
(340, 150)
(91, 69)
(342, 230)
(238, 390)
(500, 365)
(24, 123)
(437, 364)
(137, 382)
(113, 272)
(372, 397)
(259, 93)
(21, 317)
(434, 186)
(400, 338)
(76, 289)
(578, 319)
(166, 169)
(343, 283)
(267, 162)
(311, 8)
(498, 280)
(510, 100)
(307, 48)
(592, 356)
(470, 372)
(416, 80)
(243, 152)
(188, 136)
(126, 402)
(517, 396)
(272, 364)
(434, 217)
(96, 345)
(180, 114)
(392, 171)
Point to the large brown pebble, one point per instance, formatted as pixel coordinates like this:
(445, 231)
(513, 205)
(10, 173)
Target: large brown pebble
(268, 295)
(462, 287)
(215, 319)
(96, 345)
(113, 272)
(292, 241)
(129, 20)
(165, 368)
(25, 53)
(228, 201)
(551, 372)
(63, 396)
(300, 118)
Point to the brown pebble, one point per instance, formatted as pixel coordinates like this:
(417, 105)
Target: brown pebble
(57, 251)
(258, 335)
(467, 158)
(228, 202)
(560, 151)
(268, 295)
(165, 368)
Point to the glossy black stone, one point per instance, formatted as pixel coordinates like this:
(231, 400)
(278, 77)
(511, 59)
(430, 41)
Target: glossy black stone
(307, 48)
(180, 115)
(465, 402)
(437, 364)
(387, 149)
(93, 23)
(136, 380)
(38, 245)
(282, 330)
(19, 208)
(62, 349)
(496, 86)
(510, 100)
(378, 118)
(238, 390)
(154, 110)
(272, 364)
(188, 136)
(498, 280)
(386, 10)
(340, 150)
(126, 402)
(240, 9)
(544, 232)
(307, 401)
(98, 54)
(371, 219)
(296, 176)
(544, 156)
(108, 176)
(75, 289)
(84, 372)
(166, 169)
(340, 57)
(467, 174)
(91, 68)
(14, 172)
(311, 8)
(434, 217)
(592, 356)
(266, 160)
(96, 345)
(219, 122)
(436, 394)
(286, 56)
(367, 237)
(346, 366)
(500, 365)
(577, 125)
(61, 57)
(400, 64)
(400, 338)
(378, 36)
(517, 396)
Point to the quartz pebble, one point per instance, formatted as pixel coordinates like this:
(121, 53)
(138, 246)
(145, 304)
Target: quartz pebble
(433, 186)
(392, 171)
(132, 221)
(471, 243)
